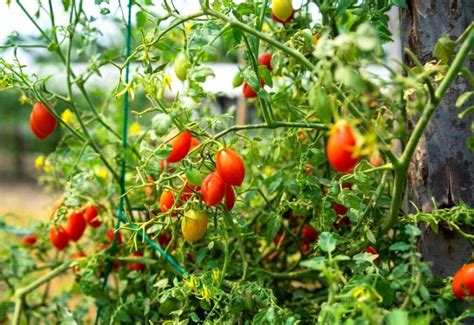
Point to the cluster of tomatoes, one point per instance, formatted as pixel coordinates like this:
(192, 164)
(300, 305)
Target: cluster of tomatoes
(42, 122)
(214, 189)
(75, 227)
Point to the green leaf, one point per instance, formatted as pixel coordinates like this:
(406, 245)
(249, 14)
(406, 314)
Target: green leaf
(444, 49)
(399, 3)
(316, 263)
(319, 100)
(397, 317)
(141, 18)
(327, 242)
(265, 75)
(399, 247)
(350, 78)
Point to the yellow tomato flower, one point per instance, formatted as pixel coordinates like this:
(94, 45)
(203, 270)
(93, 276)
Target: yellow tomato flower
(167, 81)
(206, 293)
(39, 162)
(216, 276)
(101, 172)
(187, 27)
(68, 116)
(134, 129)
(23, 99)
(266, 28)
(48, 168)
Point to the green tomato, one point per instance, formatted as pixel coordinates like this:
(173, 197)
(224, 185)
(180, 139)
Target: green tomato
(194, 177)
(181, 66)
(238, 80)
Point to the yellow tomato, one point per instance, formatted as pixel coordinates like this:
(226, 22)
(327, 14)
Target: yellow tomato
(194, 225)
(282, 9)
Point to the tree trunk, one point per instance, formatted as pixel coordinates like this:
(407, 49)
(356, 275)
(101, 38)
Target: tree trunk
(442, 167)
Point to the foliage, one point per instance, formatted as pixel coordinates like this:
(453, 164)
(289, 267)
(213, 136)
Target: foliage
(254, 263)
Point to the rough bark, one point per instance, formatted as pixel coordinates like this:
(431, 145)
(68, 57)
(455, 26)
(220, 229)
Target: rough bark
(442, 167)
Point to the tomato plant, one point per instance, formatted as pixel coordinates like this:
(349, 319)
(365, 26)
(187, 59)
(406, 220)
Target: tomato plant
(275, 210)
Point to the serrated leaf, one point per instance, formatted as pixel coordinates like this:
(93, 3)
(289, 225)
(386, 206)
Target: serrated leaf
(316, 263)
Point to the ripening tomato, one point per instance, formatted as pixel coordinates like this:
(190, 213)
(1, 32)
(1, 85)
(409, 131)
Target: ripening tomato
(213, 189)
(180, 146)
(309, 170)
(76, 224)
(110, 236)
(164, 238)
(91, 216)
(194, 225)
(29, 239)
(373, 251)
(42, 122)
(340, 148)
(463, 281)
(135, 266)
(282, 11)
(229, 197)
(59, 237)
(265, 59)
(339, 209)
(166, 201)
(181, 66)
(230, 166)
(309, 234)
(376, 160)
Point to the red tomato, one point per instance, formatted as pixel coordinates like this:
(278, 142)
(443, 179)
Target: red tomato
(42, 122)
(340, 147)
(309, 234)
(29, 239)
(278, 20)
(309, 170)
(278, 237)
(265, 59)
(164, 238)
(180, 146)
(90, 214)
(213, 189)
(339, 208)
(134, 266)
(229, 197)
(75, 226)
(59, 237)
(110, 236)
(373, 251)
(248, 91)
(194, 143)
(230, 167)
(304, 246)
(166, 201)
(463, 281)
